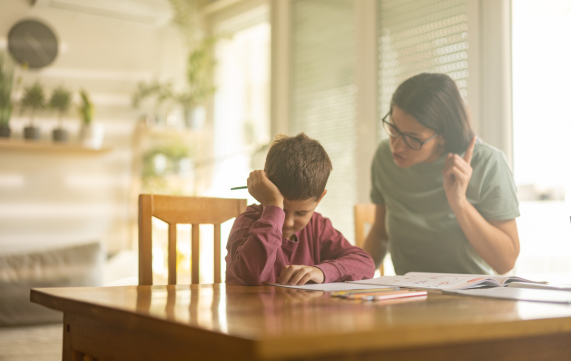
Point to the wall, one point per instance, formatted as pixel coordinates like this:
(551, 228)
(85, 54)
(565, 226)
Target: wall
(53, 199)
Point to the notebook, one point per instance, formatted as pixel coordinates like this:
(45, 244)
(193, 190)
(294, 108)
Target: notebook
(443, 281)
(520, 294)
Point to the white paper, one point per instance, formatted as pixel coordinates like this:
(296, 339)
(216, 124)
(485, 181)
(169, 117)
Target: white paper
(331, 287)
(540, 286)
(521, 294)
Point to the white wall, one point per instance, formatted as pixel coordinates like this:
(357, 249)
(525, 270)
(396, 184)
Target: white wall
(51, 199)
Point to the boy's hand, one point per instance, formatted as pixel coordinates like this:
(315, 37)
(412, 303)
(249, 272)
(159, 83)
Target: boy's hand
(265, 192)
(296, 275)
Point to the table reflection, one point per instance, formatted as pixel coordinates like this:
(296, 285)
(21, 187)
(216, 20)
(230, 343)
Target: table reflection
(251, 310)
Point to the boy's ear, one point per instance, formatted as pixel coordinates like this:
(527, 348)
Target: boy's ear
(322, 195)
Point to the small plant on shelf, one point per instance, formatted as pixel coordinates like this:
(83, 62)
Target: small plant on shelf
(60, 101)
(6, 87)
(33, 101)
(91, 134)
(85, 108)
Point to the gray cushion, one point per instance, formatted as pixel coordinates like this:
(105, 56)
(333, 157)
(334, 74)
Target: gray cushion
(80, 265)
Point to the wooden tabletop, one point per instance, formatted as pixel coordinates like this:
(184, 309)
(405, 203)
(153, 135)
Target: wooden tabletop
(282, 323)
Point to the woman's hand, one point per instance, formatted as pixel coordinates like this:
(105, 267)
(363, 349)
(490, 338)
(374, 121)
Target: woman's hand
(297, 275)
(262, 188)
(457, 173)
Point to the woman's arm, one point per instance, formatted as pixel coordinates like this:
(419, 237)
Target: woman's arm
(497, 242)
(377, 241)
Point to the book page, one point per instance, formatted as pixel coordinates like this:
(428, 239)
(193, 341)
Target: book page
(501, 279)
(431, 281)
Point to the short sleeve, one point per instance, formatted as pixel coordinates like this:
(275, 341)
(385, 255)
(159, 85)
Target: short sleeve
(498, 197)
(376, 192)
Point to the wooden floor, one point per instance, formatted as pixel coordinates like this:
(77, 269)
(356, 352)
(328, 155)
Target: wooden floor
(34, 343)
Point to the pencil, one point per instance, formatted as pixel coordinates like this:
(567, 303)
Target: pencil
(235, 188)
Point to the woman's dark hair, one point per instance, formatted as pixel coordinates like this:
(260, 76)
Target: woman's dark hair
(435, 102)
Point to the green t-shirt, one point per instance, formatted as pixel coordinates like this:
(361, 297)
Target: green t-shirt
(424, 235)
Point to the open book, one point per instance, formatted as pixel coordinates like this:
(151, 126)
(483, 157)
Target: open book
(443, 281)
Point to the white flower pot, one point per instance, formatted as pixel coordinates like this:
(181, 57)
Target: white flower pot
(91, 136)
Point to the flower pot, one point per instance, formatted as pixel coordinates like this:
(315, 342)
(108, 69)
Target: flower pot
(59, 135)
(32, 133)
(5, 131)
(91, 135)
(195, 117)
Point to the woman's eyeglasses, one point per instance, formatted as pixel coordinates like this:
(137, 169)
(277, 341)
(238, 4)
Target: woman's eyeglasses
(412, 142)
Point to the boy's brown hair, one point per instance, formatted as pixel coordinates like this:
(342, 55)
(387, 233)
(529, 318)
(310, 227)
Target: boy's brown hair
(298, 166)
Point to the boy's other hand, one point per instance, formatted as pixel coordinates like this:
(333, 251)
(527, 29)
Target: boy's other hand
(297, 275)
(262, 188)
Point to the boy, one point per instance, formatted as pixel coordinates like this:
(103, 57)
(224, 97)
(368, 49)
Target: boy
(282, 240)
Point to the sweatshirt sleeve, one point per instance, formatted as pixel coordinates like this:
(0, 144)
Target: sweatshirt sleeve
(253, 244)
(342, 261)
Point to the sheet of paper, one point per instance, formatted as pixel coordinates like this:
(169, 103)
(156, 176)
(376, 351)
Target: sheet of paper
(330, 287)
(540, 286)
(521, 294)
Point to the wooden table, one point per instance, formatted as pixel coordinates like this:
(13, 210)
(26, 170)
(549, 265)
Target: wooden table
(225, 322)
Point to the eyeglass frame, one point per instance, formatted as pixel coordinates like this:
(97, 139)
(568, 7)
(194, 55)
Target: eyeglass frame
(400, 134)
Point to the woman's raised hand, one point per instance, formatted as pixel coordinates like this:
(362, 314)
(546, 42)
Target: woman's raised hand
(457, 173)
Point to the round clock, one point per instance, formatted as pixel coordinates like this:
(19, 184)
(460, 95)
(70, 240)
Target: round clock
(32, 43)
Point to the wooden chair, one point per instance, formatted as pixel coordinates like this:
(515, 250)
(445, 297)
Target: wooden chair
(364, 214)
(182, 210)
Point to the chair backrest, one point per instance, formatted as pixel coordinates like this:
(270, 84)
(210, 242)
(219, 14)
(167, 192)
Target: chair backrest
(364, 214)
(182, 210)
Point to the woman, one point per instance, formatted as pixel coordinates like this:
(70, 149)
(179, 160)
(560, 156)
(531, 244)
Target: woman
(446, 202)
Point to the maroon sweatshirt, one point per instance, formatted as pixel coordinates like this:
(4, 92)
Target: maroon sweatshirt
(257, 252)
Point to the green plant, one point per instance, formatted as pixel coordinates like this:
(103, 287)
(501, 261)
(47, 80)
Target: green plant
(161, 92)
(60, 101)
(186, 18)
(164, 181)
(6, 87)
(200, 62)
(86, 108)
(33, 99)
(199, 86)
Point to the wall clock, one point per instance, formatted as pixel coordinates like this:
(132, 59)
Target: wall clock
(33, 43)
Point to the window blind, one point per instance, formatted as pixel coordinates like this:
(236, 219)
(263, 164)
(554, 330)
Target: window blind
(323, 96)
(416, 36)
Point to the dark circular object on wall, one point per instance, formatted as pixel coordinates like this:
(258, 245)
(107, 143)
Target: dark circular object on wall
(33, 43)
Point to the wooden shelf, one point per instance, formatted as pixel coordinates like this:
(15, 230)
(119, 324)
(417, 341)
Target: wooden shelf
(42, 146)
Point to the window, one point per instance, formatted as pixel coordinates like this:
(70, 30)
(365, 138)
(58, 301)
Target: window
(541, 79)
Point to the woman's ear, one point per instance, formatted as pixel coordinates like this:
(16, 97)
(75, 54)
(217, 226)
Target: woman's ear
(441, 140)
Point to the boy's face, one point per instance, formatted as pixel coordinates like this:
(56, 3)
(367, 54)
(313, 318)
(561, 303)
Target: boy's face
(298, 214)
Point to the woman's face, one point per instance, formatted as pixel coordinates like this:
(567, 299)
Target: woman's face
(403, 155)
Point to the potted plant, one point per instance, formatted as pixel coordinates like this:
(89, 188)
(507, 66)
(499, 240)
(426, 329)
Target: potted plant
(198, 87)
(6, 86)
(200, 63)
(33, 100)
(91, 134)
(60, 101)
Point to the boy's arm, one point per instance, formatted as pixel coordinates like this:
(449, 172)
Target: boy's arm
(253, 246)
(342, 261)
